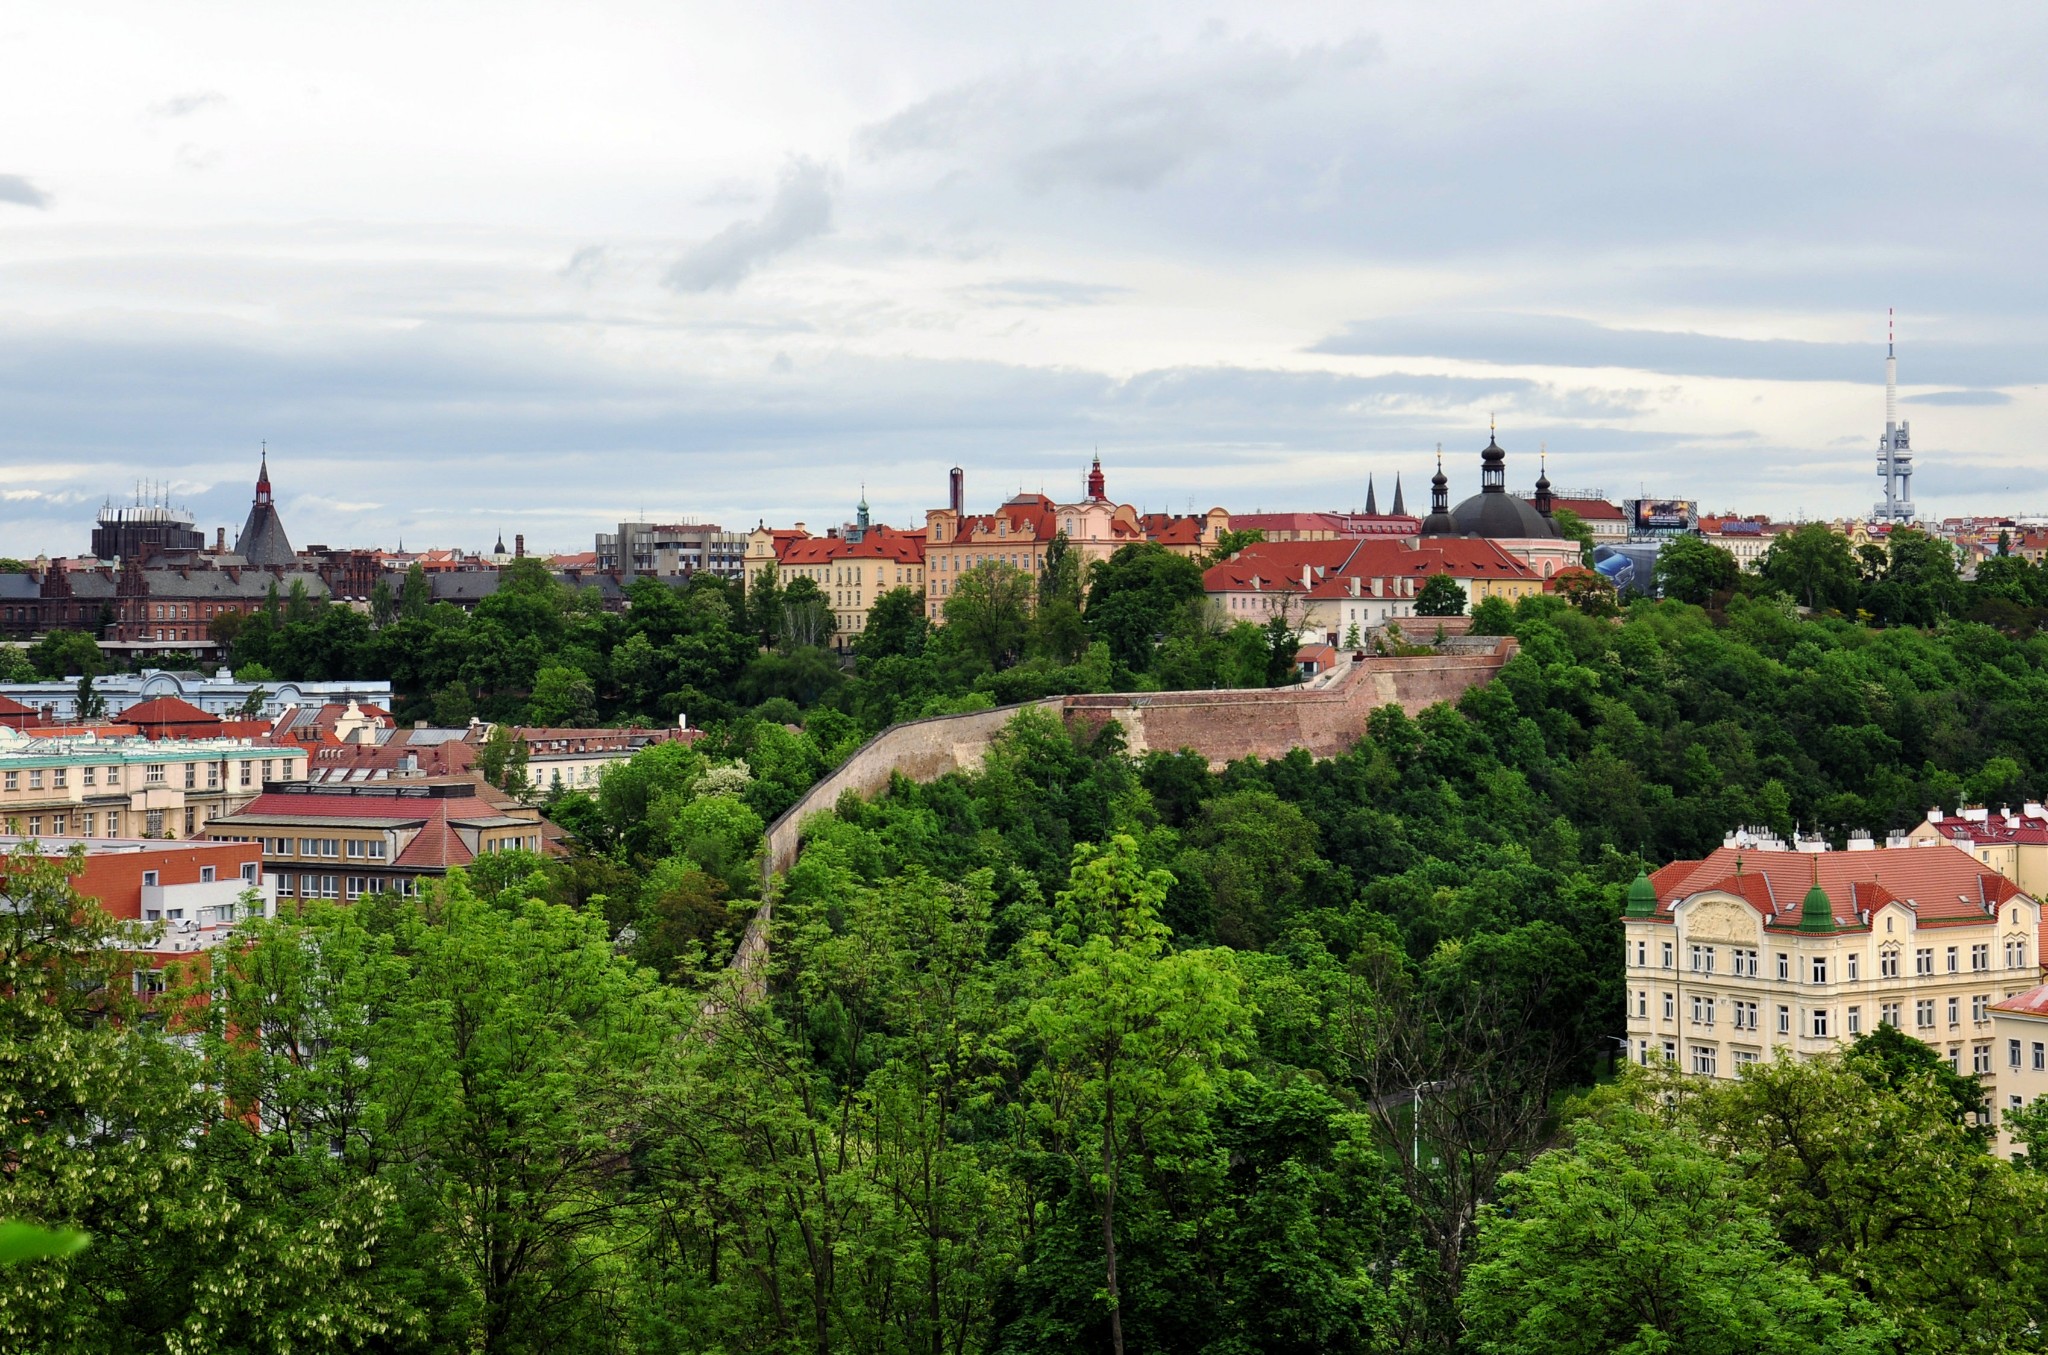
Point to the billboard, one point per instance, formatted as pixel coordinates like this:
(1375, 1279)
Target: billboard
(1663, 515)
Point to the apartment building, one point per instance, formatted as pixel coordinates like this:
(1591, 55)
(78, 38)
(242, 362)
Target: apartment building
(1762, 951)
(343, 841)
(2012, 842)
(2019, 1027)
(191, 895)
(85, 786)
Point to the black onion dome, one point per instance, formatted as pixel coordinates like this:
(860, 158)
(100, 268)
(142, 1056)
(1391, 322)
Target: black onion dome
(1501, 516)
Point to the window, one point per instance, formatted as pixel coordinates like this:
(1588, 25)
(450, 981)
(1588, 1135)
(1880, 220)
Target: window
(287, 886)
(1888, 962)
(1890, 1015)
(13, 781)
(1703, 1059)
(1670, 1006)
(206, 875)
(191, 775)
(266, 769)
(35, 780)
(1923, 960)
(1668, 946)
(1703, 959)
(1951, 959)
(153, 823)
(1702, 1011)
(1642, 953)
(190, 826)
(113, 823)
(1784, 1020)
(307, 847)
(1980, 958)
(87, 823)
(1855, 1021)
(213, 776)
(355, 886)
(113, 776)
(149, 878)
(1745, 1015)
(153, 774)
(89, 776)
(330, 887)
(57, 775)
(1744, 1057)
(2015, 954)
(1744, 963)
(1820, 969)
(1955, 1058)
(1643, 1004)
(57, 824)
(248, 772)
(1854, 968)
(1955, 1005)
(2012, 1052)
(1977, 1006)
(1784, 966)
(1820, 1022)
(1923, 1013)
(1980, 1058)
(376, 852)
(249, 872)
(2040, 1057)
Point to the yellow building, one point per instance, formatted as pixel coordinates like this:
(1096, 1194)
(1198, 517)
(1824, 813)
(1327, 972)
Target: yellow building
(2020, 1033)
(2015, 844)
(84, 786)
(1759, 952)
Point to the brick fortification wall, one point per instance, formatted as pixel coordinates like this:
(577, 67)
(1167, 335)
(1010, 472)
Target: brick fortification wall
(1325, 717)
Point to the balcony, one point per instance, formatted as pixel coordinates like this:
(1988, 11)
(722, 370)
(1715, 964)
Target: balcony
(196, 917)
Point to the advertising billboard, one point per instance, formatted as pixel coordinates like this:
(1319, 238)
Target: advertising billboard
(1663, 515)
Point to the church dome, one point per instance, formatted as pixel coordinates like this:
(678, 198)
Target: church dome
(1492, 512)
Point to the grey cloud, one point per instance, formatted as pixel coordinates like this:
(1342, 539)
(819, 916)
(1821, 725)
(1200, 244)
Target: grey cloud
(17, 190)
(1045, 292)
(1127, 125)
(585, 264)
(1959, 398)
(184, 105)
(802, 209)
(1566, 341)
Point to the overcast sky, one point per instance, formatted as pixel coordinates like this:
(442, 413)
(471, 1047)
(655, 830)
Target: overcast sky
(533, 268)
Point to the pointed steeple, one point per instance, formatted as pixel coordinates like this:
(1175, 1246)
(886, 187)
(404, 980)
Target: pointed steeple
(1400, 508)
(1543, 500)
(499, 548)
(1493, 463)
(1096, 488)
(1372, 503)
(1439, 487)
(263, 476)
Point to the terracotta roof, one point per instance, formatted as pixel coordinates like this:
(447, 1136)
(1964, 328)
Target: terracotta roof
(435, 847)
(1589, 509)
(1940, 883)
(2033, 1002)
(9, 706)
(165, 710)
(1281, 522)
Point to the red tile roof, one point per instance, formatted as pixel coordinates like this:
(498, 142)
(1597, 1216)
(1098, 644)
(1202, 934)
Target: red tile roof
(1940, 883)
(1589, 509)
(165, 710)
(435, 847)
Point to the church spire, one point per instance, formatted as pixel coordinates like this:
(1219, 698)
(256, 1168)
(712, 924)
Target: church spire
(263, 476)
(1400, 508)
(1439, 487)
(1372, 503)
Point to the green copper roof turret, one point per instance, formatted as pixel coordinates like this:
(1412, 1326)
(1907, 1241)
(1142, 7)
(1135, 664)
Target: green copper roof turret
(1642, 898)
(1817, 911)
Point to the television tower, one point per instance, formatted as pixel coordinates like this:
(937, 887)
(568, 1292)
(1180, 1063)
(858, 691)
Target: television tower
(1895, 448)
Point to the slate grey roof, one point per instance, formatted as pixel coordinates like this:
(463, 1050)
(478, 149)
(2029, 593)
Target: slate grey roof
(263, 541)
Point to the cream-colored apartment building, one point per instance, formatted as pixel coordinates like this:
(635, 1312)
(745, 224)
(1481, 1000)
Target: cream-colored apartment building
(2019, 1027)
(87, 787)
(1760, 951)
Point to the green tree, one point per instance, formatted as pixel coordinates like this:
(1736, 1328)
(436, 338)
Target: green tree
(1440, 596)
(1638, 1239)
(1129, 1034)
(1814, 565)
(987, 613)
(501, 759)
(563, 696)
(416, 595)
(1693, 569)
(1572, 527)
(1493, 616)
(383, 606)
(15, 665)
(67, 653)
(807, 621)
(90, 704)
(1229, 542)
(896, 625)
(1136, 596)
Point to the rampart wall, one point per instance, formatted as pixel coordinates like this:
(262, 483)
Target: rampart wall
(1326, 717)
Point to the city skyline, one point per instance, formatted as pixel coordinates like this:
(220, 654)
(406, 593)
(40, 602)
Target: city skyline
(733, 266)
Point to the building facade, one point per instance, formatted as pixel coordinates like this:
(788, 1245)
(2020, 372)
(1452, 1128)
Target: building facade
(341, 842)
(88, 787)
(1759, 951)
(672, 550)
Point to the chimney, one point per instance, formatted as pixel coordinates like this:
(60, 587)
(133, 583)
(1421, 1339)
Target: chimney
(958, 498)
(220, 541)
(1306, 581)
(519, 546)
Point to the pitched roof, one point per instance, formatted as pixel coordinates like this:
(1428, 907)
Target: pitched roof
(263, 541)
(435, 847)
(166, 710)
(1939, 882)
(2033, 1002)
(1589, 509)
